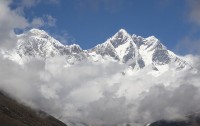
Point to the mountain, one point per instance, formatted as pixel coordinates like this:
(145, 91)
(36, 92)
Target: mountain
(134, 51)
(39, 44)
(191, 120)
(15, 114)
(139, 52)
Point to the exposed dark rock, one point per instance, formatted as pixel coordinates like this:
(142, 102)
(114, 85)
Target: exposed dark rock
(15, 114)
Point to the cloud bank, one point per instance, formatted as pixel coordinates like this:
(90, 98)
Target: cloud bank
(98, 94)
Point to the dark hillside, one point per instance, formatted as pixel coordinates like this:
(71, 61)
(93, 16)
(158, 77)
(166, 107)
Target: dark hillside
(15, 114)
(193, 120)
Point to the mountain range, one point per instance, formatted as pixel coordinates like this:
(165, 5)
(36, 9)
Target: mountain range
(135, 52)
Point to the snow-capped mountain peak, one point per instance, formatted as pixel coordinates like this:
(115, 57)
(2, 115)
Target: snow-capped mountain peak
(75, 48)
(37, 36)
(122, 31)
(121, 37)
(119, 47)
(134, 51)
(37, 31)
(37, 43)
(138, 52)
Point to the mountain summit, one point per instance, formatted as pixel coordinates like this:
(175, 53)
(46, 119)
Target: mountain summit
(134, 51)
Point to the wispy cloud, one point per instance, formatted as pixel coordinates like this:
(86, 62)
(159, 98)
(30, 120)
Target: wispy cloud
(29, 3)
(45, 21)
(190, 43)
(63, 37)
(194, 9)
(32, 3)
(13, 18)
(9, 19)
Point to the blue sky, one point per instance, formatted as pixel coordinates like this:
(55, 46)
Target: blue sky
(89, 22)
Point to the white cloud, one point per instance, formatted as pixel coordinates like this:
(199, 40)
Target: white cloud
(29, 3)
(37, 22)
(45, 21)
(99, 93)
(9, 20)
(189, 45)
(50, 20)
(32, 3)
(64, 37)
(193, 60)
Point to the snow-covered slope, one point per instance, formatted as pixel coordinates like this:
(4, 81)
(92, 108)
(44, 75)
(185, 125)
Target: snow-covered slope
(134, 51)
(121, 48)
(138, 52)
(39, 44)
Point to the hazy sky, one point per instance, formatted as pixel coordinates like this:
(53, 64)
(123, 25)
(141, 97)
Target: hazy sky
(89, 22)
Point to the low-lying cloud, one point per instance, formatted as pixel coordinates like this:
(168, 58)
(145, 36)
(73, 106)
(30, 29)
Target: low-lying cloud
(98, 94)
